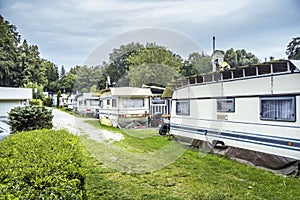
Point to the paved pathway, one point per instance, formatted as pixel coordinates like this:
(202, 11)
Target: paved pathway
(77, 126)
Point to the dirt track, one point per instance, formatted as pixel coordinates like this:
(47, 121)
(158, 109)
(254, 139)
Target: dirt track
(77, 126)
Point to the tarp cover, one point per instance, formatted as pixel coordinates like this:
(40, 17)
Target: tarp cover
(133, 123)
(275, 163)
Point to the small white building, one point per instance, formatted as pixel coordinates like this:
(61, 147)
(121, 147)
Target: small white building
(13, 97)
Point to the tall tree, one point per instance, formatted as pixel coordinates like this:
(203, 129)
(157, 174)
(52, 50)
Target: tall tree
(157, 55)
(67, 82)
(153, 74)
(117, 67)
(9, 40)
(293, 49)
(240, 58)
(31, 64)
(86, 77)
(62, 72)
(148, 65)
(196, 63)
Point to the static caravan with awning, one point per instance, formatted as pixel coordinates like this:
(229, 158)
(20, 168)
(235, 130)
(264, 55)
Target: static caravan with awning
(123, 106)
(250, 113)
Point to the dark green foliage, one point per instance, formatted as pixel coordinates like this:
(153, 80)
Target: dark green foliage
(117, 67)
(238, 58)
(20, 62)
(43, 164)
(30, 118)
(36, 102)
(57, 98)
(62, 71)
(48, 102)
(293, 49)
(9, 39)
(196, 63)
(85, 77)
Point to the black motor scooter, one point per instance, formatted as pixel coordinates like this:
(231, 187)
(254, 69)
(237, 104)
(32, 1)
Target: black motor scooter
(164, 126)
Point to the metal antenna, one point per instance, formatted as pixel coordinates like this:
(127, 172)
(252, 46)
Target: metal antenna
(214, 44)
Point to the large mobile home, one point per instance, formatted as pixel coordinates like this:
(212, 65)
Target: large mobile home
(254, 108)
(124, 105)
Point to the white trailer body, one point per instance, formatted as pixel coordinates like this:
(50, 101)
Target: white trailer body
(255, 108)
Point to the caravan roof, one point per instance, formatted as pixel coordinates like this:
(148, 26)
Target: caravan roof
(130, 91)
(10, 93)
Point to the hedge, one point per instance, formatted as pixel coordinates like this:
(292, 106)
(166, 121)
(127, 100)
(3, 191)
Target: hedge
(41, 164)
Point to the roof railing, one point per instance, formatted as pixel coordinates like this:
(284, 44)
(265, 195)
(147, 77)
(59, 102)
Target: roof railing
(249, 71)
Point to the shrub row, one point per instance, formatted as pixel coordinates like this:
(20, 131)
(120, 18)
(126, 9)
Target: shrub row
(41, 164)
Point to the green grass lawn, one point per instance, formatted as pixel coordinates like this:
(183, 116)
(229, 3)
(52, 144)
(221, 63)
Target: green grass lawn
(47, 164)
(155, 167)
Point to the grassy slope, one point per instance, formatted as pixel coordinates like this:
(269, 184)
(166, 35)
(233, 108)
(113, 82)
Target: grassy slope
(192, 176)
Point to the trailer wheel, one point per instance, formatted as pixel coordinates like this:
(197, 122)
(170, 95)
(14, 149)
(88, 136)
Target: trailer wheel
(162, 132)
(219, 144)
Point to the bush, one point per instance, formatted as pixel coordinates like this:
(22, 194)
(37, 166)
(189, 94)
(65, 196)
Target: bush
(42, 164)
(48, 102)
(36, 102)
(30, 118)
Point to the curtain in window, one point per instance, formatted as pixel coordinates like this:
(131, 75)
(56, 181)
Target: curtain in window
(133, 103)
(277, 109)
(183, 108)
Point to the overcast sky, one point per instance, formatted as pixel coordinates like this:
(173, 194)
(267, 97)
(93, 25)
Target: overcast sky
(68, 32)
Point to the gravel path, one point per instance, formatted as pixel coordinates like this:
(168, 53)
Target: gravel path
(77, 126)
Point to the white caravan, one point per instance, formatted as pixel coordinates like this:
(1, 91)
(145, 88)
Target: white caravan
(256, 108)
(124, 104)
(87, 103)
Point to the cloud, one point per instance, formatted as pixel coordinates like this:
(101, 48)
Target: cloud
(67, 31)
(174, 41)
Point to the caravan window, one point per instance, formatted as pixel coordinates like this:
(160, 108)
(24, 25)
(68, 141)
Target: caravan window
(114, 103)
(278, 108)
(94, 102)
(108, 102)
(225, 105)
(158, 101)
(183, 107)
(133, 103)
(101, 103)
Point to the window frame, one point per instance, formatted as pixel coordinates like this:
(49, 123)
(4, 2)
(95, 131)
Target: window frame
(226, 99)
(183, 113)
(292, 98)
(129, 102)
(94, 102)
(114, 103)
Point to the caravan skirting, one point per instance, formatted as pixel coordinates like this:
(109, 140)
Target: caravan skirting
(274, 163)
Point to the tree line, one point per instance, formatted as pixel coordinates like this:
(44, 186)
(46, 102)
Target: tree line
(132, 64)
